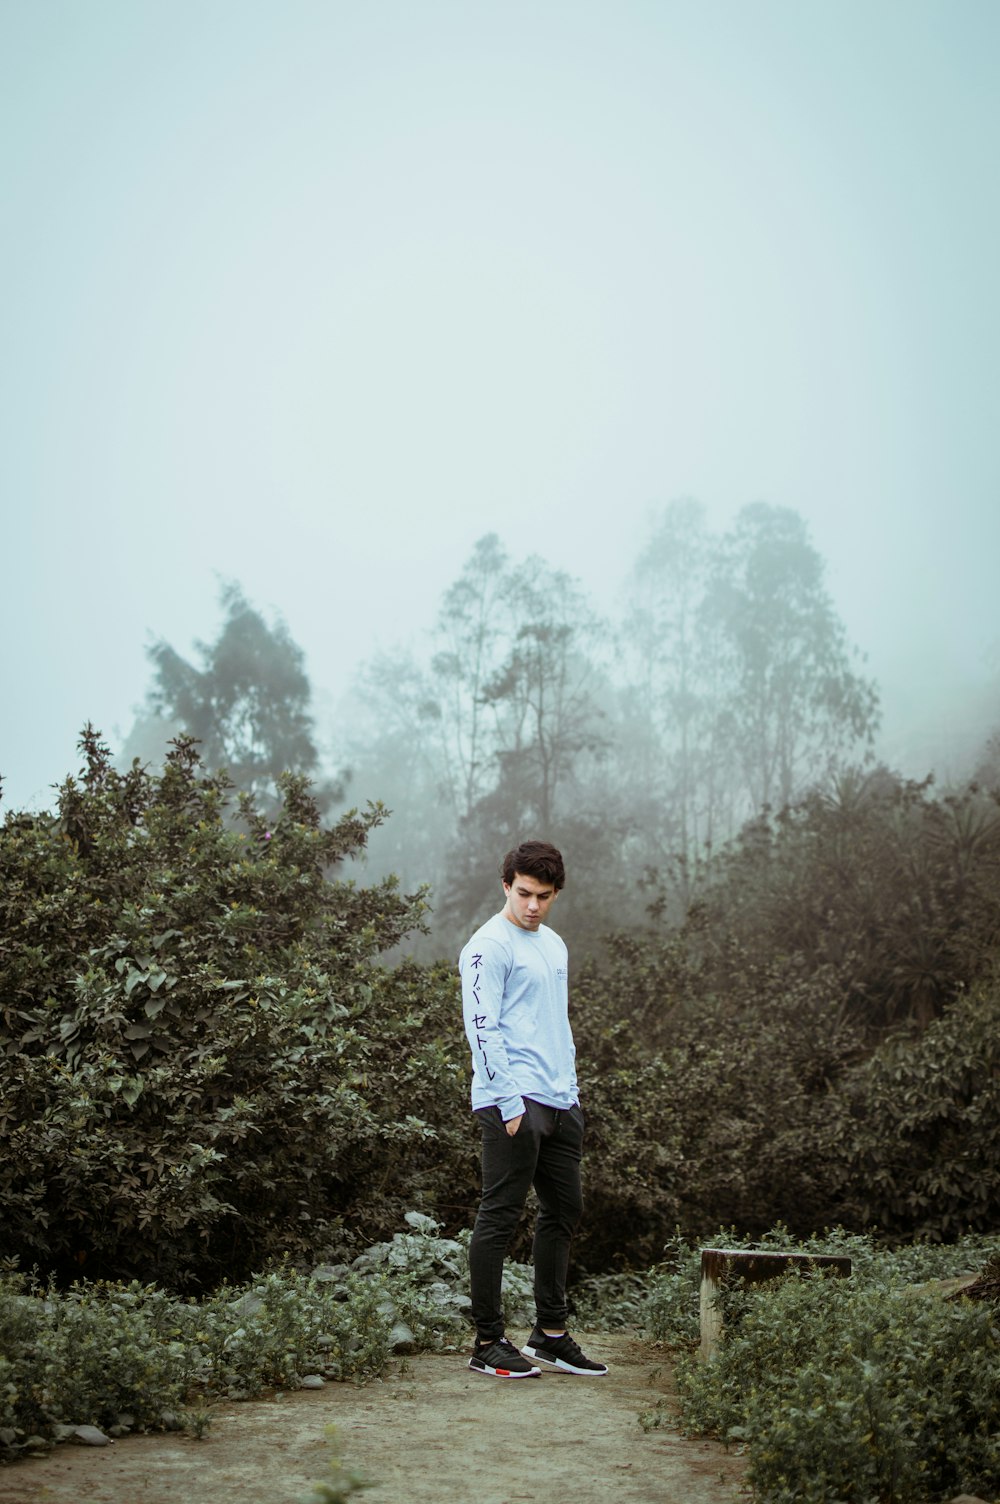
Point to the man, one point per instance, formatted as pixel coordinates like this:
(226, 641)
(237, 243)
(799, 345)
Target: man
(515, 1004)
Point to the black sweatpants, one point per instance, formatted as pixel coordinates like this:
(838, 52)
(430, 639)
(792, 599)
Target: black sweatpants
(544, 1152)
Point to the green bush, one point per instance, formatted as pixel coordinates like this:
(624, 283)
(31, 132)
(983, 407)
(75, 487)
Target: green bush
(87, 1358)
(672, 1313)
(429, 1275)
(768, 1105)
(882, 880)
(855, 1389)
(923, 1153)
(704, 1111)
(133, 1357)
(202, 1064)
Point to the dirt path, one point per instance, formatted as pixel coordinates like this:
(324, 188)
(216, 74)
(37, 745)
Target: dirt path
(432, 1432)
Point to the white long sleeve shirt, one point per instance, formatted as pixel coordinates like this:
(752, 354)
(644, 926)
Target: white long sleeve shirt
(515, 1002)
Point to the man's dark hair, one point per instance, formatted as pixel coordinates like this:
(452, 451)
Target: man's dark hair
(535, 859)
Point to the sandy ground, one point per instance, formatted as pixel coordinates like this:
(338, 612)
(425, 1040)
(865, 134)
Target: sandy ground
(431, 1430)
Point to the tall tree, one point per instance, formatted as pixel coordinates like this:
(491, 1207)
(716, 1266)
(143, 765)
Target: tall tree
(667, 702)
(509, 700)
(740, 687)
(471, 635)
(544, 693)
(489, 738)
(794, 706)
(424, 738)
(247, 701)
(548, 738)
(395, 752)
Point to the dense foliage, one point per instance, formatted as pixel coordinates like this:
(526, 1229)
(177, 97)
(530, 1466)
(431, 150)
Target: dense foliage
(203, 1063)
(128, 1356)
(702, 1110)
(859, 1388)
(206, 1063)
(819, 1040)
(767, 1105)
(923, 1151)
(886, 885)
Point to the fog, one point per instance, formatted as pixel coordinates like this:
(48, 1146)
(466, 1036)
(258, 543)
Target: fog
(311, 296)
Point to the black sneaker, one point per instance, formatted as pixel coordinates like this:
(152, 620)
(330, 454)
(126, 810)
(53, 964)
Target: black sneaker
(561, 1353)
(502, 1360)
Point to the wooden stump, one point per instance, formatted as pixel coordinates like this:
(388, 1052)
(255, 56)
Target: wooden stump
(753, 1266)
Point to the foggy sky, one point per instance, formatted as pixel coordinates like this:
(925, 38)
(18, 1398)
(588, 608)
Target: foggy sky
(312, 295)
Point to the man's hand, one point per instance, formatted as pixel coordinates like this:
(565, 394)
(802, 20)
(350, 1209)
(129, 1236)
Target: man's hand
(513, 1124)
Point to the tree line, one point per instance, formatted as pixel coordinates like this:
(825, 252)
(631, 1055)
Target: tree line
(724, 687)
(704, 761)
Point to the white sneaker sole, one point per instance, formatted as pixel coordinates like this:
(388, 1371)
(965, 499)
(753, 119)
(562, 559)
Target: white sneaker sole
(503, 1373)
(562, 1366)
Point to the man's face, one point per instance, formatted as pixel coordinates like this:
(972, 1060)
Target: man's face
(528, 901)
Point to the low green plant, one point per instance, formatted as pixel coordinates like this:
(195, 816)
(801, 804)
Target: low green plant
(428, 1276)
(197, 1422)
(342, 1480)
(288, 1324)
(652, 1420)
(87, 1357)
(856, 1389)
(672, 1304)
(604, 1302)
(133, 1357)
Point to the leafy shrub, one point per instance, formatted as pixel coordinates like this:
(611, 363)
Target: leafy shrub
(131, 1356)
(88, 1357)
(674, 1294)
(923, 1156)
(704, 1111)
(430, 1281)
(768, 1105)
(672, 1308)
(202, 1064)
(873, 876)
(855, 1389)
(606, 1302)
